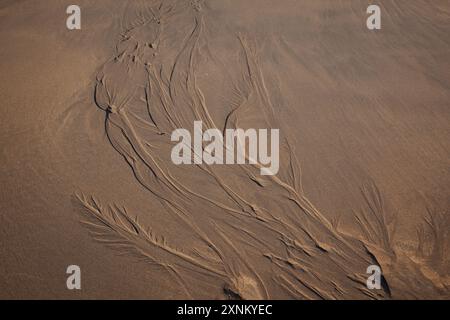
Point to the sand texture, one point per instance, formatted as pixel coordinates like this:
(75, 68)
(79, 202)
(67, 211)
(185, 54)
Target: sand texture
(86, 171)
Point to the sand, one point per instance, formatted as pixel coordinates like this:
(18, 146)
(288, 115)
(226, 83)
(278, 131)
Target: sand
(86, 172)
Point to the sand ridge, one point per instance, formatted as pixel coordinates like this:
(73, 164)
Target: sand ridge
(363, 176)
(260, 249)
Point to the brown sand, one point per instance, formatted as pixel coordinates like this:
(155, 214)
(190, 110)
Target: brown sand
(364, 149)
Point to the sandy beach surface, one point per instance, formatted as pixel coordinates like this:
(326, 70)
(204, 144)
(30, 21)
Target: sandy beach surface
(87, 177)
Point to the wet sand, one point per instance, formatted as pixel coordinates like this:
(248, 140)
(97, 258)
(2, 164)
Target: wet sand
(86, 171)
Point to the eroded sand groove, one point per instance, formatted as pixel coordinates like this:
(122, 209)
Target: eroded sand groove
(260, 235)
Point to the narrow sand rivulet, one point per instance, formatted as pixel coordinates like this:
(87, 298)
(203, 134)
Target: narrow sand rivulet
(364, 150)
